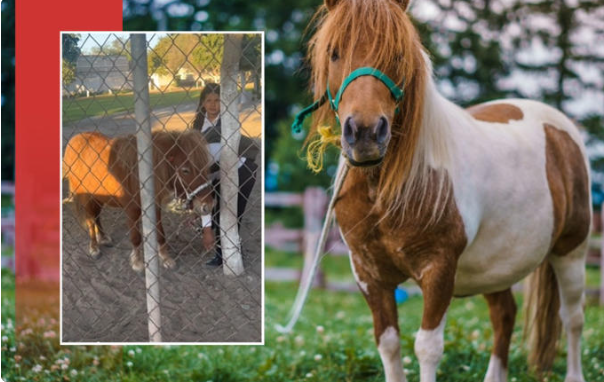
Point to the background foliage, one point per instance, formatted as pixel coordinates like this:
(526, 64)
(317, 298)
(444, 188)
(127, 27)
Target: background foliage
(8, 90)
(482, 50)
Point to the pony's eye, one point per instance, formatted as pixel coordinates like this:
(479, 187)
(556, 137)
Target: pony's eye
(334, 55)
(185, 171)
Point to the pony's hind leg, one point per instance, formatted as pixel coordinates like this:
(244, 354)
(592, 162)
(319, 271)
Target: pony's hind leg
(570, 274)
(91, 210)
(101, 236)
(502, 309)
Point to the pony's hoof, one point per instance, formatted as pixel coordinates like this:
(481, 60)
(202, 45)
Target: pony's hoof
(106, 241)
(137, 266)
(136, 263)
(94, 252)
(168, 263)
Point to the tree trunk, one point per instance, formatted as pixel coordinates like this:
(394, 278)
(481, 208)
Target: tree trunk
(229, 160)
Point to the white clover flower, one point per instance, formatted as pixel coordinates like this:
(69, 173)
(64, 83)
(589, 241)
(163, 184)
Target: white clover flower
(302, 353)
(64, 366)
(201, 356)
(131, 353)
(320, 329)
(138, 350)
(406, 360)
(299, 340)
(308, 375)
(74, 372)
(129, 364)
(4, 339)
(37, 368)
(318, 357)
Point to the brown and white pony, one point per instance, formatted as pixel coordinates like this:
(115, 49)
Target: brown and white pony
(464, 202)
(104, 172)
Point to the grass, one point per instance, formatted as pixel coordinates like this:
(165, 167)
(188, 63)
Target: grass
(75, 109)
(100, 105)
(333, 341)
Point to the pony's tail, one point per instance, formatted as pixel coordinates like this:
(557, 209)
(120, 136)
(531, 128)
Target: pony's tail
(542, 325)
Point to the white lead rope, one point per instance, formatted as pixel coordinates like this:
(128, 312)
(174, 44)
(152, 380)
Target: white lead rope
(306, 284)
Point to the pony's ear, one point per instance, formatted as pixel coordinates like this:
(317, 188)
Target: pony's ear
(331, 4)
(404, 3)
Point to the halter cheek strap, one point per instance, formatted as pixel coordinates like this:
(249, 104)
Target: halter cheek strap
(396, 92)
(192, 194)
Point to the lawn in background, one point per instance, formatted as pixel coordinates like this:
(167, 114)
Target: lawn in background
(333, 341)
(75, 109)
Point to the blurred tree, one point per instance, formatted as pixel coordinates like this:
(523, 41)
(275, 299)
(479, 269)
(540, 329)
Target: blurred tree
(68, 72)
(8, 90)
(464, 42)
(285, 76)
(555, 43)
(117, 47)
(71, 50)
(479, 51)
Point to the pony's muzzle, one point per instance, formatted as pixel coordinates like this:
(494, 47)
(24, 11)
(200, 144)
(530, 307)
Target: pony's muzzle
(365, 144)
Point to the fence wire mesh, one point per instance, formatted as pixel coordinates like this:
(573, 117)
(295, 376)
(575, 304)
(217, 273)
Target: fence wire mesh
(104, 287)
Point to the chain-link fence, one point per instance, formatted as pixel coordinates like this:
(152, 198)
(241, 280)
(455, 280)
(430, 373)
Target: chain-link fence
(161, 231)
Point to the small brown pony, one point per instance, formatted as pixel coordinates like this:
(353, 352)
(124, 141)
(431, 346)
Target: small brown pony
(104, 172)
(464, 202)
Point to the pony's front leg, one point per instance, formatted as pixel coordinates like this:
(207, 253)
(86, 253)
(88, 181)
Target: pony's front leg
(136, 257)
(380, 299)
(167, 261)
(436, 282)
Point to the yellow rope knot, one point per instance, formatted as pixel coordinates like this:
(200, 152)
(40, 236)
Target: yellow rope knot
(316, 149)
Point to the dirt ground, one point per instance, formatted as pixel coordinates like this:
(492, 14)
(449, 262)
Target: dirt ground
(104, 300)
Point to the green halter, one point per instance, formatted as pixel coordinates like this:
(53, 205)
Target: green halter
(334, 103)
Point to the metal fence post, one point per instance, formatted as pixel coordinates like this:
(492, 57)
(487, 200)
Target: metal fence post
(146, 177)
(231, 136)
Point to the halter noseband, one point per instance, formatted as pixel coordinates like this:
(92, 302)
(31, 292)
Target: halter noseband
(193, 193)
(334, 103)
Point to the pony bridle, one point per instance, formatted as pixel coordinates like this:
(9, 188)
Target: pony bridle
(190, 195)
(334, 102)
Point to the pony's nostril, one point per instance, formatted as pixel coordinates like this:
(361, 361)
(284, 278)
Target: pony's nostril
(382, 130)
(349, 131)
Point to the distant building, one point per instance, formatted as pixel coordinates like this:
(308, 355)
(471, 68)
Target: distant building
(100, 73)
(183, 78)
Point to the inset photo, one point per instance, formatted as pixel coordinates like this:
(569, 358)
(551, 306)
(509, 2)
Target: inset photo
(161, 151)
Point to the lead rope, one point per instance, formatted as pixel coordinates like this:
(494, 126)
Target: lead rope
(305, 285)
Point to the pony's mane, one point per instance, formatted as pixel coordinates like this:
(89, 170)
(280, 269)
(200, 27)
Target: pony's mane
(394, 47)
(189, 142)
